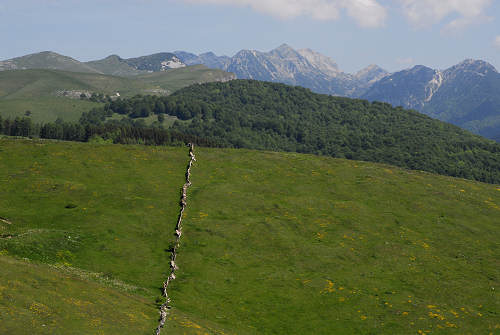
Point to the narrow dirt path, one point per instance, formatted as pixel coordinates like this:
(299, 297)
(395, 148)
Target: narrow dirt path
(165, 307)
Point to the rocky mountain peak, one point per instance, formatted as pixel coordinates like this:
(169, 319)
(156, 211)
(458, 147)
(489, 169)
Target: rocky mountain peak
(371, 74)
(285, 51)
(478, 67)
(208, 54)
(419, 69)
(113, 58)
(324, 63)
(284, 48)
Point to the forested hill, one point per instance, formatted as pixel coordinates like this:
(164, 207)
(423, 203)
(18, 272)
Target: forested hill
(262, 115)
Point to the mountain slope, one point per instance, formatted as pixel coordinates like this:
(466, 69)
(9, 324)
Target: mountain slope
(46, 60)
(156, 62)
(466, 94)
(273, 243)
(117, 66)
(208, 59)
(41, 299)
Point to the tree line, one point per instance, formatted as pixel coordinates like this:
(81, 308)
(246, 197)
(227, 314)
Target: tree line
(270, 116)
(110, 132)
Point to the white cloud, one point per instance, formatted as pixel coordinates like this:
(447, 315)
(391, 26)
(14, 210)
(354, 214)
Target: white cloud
(367, 13)
(456, 14)
(496, 41)
(460, 13)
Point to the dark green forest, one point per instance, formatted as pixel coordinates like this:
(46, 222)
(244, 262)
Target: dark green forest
(132, 133)
(270, 116)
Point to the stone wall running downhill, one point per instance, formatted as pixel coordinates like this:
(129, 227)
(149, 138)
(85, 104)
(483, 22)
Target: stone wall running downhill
(165, 307)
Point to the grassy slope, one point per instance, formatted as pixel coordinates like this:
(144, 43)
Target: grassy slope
(273, 243)
(114, 65)
(126, 198)
(34, 89)
(295, 244)
(46, 109)
(109, 252)
(39, 299)
(46, 60)
(182, 77)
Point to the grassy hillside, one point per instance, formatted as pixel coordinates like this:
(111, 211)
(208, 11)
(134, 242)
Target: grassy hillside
(46, 60)
(102, 216)
(114, 65)
(294, 244)
(175, 79)
(46, 109)
(273, 243)
(35, 90)
(106, 209)
(38, 299)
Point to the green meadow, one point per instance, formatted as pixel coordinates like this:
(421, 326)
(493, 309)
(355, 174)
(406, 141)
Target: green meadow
(103, 208)
(35, 90)
(39, 299)
(296, 244)
(273, 243)
(46, 109)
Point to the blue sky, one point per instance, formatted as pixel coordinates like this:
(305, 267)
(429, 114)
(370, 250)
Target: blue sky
(394, 34)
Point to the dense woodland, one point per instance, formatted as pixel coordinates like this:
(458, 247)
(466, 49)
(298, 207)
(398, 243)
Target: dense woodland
(261, 115)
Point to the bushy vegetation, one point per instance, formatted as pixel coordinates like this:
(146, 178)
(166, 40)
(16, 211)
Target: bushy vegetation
(259, 115)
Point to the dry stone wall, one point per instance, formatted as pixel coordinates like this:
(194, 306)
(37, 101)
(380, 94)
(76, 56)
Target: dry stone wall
(165, 307)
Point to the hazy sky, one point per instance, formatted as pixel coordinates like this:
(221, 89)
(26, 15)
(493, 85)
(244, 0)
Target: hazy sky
(394, 34)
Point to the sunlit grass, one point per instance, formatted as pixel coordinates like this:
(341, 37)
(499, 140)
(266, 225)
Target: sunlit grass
(296, 244)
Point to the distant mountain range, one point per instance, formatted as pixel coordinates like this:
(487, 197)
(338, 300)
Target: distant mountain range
(112, 65)
(467, 94)
(284, 64)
